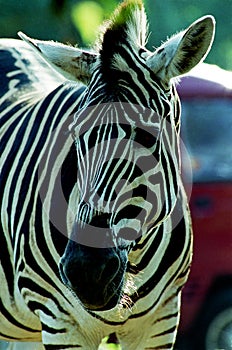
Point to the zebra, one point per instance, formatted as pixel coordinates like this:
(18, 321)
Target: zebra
(97, 234)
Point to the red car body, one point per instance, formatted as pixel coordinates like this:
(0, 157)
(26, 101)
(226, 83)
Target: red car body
(211, 211)
(206, 318)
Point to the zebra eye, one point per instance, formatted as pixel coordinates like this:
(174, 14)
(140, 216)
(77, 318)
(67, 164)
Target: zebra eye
(128, 234)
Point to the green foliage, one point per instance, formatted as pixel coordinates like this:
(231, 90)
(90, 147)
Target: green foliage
(87, 16)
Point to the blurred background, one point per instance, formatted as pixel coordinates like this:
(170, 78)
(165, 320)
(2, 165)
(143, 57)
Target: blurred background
(76, 21)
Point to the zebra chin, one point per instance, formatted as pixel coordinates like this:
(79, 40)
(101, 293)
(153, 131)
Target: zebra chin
(108, 302)
(94, 275)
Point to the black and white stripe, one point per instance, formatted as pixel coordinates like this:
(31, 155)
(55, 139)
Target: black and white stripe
(96, 232)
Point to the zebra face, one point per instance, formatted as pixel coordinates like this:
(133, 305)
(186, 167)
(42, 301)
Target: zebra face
(121, 196)
(111, 209)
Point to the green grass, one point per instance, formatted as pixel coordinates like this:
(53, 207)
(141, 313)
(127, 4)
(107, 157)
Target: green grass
(105, 346)
(109, 347)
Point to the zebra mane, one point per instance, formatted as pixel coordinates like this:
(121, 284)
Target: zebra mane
(128, 25)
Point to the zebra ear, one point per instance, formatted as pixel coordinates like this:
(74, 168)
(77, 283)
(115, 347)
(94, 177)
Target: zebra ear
(71, 62)
(183, 51)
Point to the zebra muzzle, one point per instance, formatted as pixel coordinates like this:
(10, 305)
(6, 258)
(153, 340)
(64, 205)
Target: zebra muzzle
(95, 275)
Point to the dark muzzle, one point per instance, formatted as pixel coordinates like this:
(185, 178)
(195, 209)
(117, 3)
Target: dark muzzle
(95, 275)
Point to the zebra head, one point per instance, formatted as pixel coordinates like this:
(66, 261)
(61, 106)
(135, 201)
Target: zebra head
(126, 134)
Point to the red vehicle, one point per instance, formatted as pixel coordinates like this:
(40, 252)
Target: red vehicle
(206, 319)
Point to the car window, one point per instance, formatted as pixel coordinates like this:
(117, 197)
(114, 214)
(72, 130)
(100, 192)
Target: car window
(207, 135)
